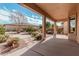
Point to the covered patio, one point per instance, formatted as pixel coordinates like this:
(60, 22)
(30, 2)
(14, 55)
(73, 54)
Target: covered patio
(54, 46)
(56, 12)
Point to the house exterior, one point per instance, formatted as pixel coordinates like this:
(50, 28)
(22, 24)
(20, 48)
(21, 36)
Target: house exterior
(13, 27)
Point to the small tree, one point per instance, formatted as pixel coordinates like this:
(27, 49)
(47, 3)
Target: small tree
(18, 18)
(48, 24)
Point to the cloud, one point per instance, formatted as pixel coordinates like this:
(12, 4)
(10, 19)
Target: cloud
(4, 16)
(14, 10)
(33, 21)
(5, 8)
(4, 12)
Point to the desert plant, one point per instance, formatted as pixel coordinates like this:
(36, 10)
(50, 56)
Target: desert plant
(13, 42)
(10, 44)
(3, 38)
(33, 34)
(38, 37)
(30, 29)
(2, 30)
(6, 36)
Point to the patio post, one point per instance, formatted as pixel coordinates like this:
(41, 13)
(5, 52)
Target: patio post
(44, 28)
(55, 30)
(65, 27)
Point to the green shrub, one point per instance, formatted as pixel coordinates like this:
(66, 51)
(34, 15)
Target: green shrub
(34, 34)
(3, 38)
(38, 37)
(7, 36)
(2, 30)
(30, 29)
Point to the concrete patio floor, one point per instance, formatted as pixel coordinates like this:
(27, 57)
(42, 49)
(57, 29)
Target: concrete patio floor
(54, 47)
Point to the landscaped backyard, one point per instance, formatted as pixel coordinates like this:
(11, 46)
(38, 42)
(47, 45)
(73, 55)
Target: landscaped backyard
(12, 41)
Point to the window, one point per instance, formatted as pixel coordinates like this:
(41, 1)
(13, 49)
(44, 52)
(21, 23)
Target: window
(72, 24)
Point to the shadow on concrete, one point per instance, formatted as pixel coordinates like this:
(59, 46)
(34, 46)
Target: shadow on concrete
(54, 47)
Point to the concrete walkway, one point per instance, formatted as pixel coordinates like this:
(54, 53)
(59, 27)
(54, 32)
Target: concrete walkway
(54, 47)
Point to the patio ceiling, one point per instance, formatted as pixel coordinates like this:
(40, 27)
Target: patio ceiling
(58, 11)
(55, 11)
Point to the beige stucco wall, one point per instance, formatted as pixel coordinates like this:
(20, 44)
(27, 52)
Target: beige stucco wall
(72, 36)
(65, 28)
(77, 25)
(78, 29)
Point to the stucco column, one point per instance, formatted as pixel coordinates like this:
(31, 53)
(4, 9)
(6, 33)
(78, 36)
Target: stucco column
(65, 27)
(44, 28)
(55, 30)
(77, 38)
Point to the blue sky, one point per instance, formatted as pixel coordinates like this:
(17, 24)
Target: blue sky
(5, 9)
